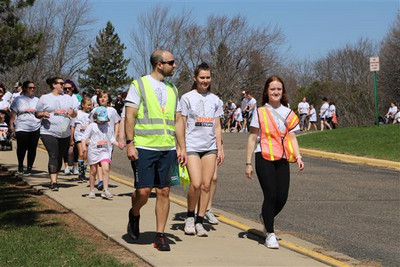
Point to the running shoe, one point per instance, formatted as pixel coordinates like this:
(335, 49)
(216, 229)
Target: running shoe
(54, 187)
(75, 170)
(106, 194)
(265, 230)
(161, 243)
(91, 194)
(99, 185)
(67, 171)
(271, 242)
(189, 226)
(200, 230)
(210, 217)
(28, 171)
(133, 226)
(20, 171)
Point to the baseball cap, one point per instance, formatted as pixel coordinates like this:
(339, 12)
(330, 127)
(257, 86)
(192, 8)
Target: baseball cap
(17, 84)
(101, 113)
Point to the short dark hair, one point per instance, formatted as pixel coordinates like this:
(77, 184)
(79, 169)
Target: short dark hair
(156, 56)
(53, 80)
(25, 86)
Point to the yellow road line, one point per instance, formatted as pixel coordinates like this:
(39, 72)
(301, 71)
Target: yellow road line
(292, 246)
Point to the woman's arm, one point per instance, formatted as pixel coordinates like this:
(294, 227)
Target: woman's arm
(296, 149)
(218, 136)
(251, 142)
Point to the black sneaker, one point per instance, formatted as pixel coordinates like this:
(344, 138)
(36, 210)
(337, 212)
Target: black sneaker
(133, 226)
(20, 171)
(28, 171)
(161, 243)
(54, 187)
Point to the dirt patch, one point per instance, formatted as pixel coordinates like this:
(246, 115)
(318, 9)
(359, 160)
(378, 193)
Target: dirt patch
(76, 225)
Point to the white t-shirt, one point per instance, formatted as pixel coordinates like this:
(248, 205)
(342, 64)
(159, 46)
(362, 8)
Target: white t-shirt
(101, 138)
(397, 117)
(14, 95)
(244, 103)
(81, 122)
(281, 110)
(112, 115)
(25, 108)
(303, 107)
(238, 114)
(230, 107)
(58, 123)
(252, 104)
(3, 131)
(392, 111)
(4, 103)
(313, 115)
(323, 111)
(331, 110)
(7, 96)
(94, 101)
(201, 111)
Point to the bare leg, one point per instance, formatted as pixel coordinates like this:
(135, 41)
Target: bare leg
(92, 177)
(162, 208)
(213, 188)
(105, 166)
(139, 199)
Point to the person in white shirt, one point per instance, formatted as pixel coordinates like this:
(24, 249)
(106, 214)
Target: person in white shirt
(101, 136)
(230, 108)
(56, 111)
(397, 117)
(303, 110)
(27, 126)
(201, 115)
(324, 114)
(251, 106)
(17, 91)
(243, 105)
(95, 103)
(391, 112)
(238, 117)
(313, 118)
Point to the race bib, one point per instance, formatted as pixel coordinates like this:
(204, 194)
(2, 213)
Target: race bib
(60, 112)
(101, 144)
(83, 128)
(30, 110)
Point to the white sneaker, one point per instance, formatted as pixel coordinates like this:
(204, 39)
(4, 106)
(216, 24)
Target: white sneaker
(210, 217)
(189, 226)
(67, 171)
(271, 242)
(75, 170)
(106, 194)
(200, 230)
(91, 194)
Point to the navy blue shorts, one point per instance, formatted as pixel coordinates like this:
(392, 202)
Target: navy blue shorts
(153, 168)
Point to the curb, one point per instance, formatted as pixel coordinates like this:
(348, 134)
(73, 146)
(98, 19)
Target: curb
(352, 159)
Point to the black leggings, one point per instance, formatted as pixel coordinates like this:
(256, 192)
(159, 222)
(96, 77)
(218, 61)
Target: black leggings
(274, 178)
(75, 158)
(55, 148)
(26, 141)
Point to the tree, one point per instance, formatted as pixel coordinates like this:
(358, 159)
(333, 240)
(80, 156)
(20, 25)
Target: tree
(389, 74)
(16, 45)
(107, 66)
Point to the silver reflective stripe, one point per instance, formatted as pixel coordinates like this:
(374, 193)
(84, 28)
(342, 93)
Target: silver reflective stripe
(154, 132)
(144, 101)
(154, 121)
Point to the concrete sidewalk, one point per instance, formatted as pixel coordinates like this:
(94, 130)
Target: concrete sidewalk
(225, 246)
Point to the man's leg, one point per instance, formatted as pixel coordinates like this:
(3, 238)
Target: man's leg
(162, 208)
(139, 198)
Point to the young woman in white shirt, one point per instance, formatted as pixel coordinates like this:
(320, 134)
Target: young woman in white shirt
(201, 112)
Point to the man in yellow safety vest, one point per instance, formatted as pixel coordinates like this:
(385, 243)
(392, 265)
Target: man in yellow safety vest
(152, 124)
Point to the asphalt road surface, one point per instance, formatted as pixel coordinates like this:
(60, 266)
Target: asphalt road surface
(352, 209)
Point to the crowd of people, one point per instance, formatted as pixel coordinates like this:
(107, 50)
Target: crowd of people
(161, 134)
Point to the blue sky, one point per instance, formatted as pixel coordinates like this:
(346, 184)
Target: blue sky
(312, 28)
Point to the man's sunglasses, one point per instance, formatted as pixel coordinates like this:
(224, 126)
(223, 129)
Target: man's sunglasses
(171, 62)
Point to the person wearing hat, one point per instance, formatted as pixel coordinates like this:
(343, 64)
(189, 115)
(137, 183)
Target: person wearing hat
(17, 91)
(101, 138)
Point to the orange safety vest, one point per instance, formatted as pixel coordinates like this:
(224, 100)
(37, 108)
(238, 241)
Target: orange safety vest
(274, 143)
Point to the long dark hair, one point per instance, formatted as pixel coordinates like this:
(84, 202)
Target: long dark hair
(202, 66)
(25, 86)
(265, 98)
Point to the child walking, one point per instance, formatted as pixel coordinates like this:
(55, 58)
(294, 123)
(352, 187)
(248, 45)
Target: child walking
(79, 126)
(101, 140)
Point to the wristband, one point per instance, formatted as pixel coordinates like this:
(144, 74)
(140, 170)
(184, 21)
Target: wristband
(299, 157)
(128, 142)
(249, 164)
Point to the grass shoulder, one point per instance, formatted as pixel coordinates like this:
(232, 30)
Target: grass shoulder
(36, 231)
(381, 142)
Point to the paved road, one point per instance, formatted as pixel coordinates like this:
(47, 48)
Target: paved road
(348, 208)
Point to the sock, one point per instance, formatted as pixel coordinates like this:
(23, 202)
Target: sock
(199, 219)
(190, 213)
(81, 168)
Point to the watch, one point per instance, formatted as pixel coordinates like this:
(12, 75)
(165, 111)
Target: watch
(129, 142)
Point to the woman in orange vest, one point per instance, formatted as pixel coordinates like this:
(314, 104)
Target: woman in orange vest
(274, 123)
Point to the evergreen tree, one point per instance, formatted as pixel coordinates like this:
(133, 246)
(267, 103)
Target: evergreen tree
(106, 64)
(16, 47)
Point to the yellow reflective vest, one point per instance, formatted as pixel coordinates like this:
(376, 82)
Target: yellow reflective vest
(155, 125)
(274, 143)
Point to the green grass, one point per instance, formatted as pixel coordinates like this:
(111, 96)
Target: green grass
(381, 142)
(27, 240)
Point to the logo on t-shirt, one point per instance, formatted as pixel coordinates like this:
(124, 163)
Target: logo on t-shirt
(101, 144)
(30, 110)
(83, 128)
(204, 121)
(60, 112)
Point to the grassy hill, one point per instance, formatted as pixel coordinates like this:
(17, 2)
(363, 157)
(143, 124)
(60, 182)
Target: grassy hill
(381, 142)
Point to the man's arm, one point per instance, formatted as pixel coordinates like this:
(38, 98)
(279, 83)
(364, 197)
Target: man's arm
(130, 121)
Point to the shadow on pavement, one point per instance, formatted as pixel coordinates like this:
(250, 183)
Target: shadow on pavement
(147, 238)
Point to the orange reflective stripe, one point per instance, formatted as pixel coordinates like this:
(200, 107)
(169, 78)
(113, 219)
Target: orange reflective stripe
(271, 151)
